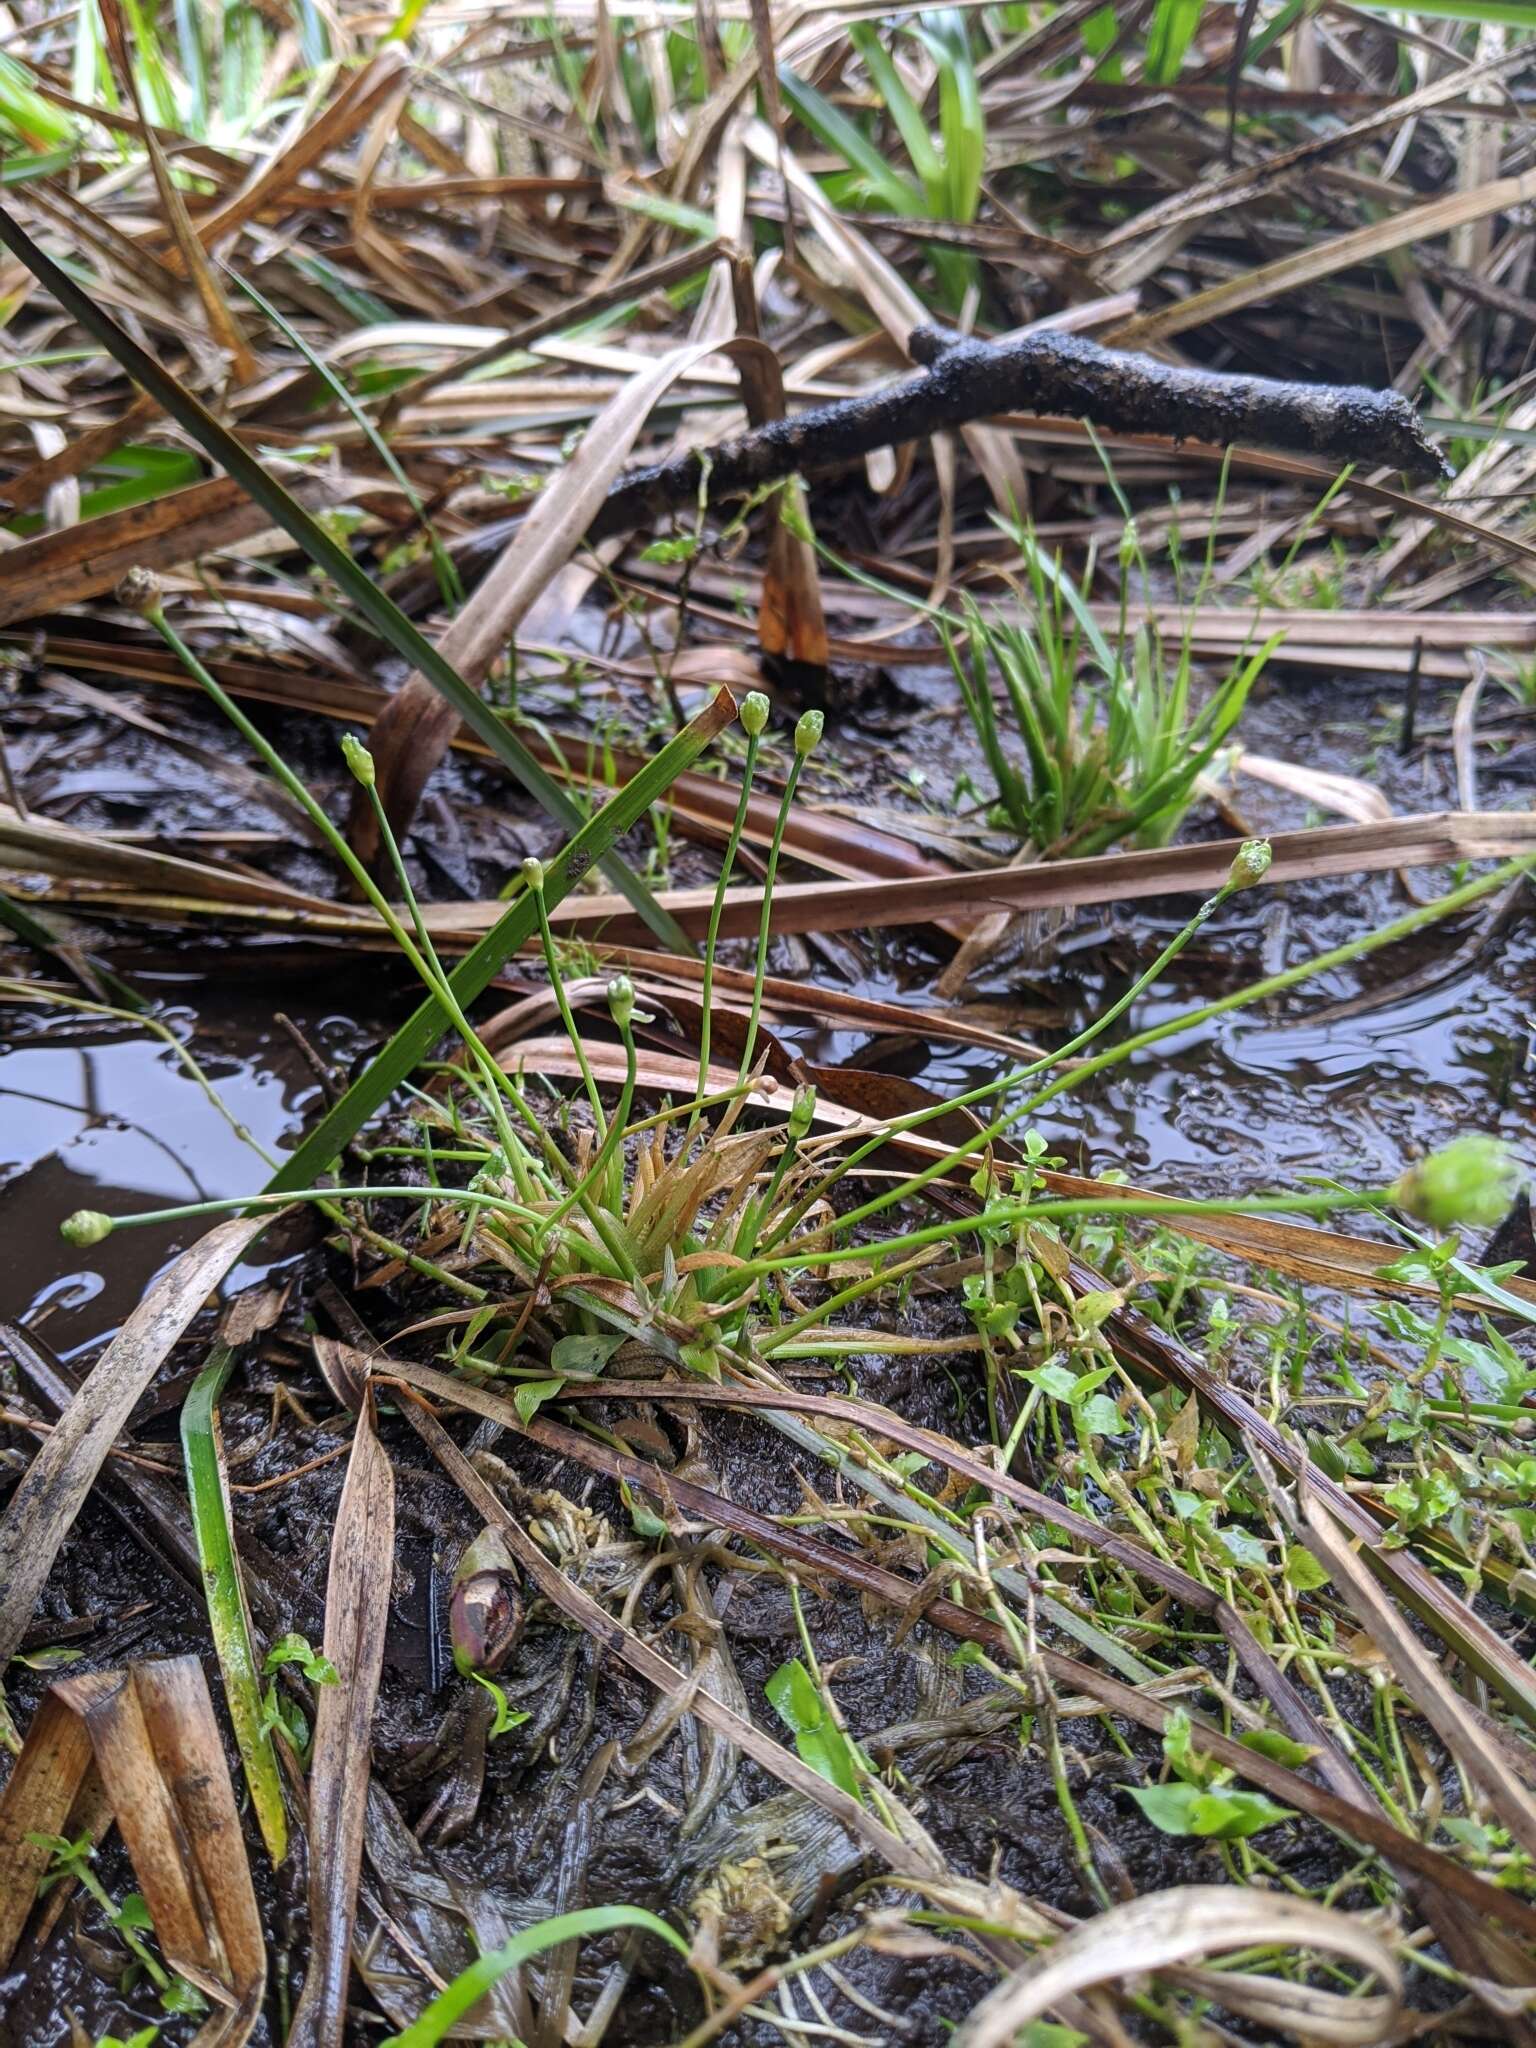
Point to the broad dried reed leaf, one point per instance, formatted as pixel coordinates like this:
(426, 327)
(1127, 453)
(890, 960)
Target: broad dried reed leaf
(416, 727)
(52, 1491)
(1326, 258)
(141, 1745)
(356, 1619)
(39, 1796)
(53, 570)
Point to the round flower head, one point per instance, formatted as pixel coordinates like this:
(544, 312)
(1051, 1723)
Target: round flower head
(533, 872)
(1250, 864)
(808, 731)
(358, 759)
(621, 1000)
(139, 591)
(802, 1111)
(85, 1228)
(753, 713)
(1472, 1180)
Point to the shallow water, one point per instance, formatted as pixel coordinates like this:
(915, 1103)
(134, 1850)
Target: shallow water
(98, 1114)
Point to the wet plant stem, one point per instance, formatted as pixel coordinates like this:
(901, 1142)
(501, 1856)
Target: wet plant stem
(229, 1620)
(770, 877)
(562, 1000)
(1276, 984)
(707, 987)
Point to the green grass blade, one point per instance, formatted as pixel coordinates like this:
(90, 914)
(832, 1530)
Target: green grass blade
(1496, 13)
(517, 924)
(471, 1984)
(903, 110)
(208, 1490)
(962, 118)
(34, 119)
(386, 618)
(833, 128)
(448, 585)
(1173, 30)
(194, 63)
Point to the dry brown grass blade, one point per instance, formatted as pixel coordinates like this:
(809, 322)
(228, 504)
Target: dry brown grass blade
(38, 845)
(1347, 796)
(141, 1745)
(1415, 1669)
(179, 1716)
(52, 1491)
(355, 104)
(833, 1005)
(1269, 173)
(1174, 1926)
(221, 322)
(416, 727)
(1432, 840)
(1326, 258)
(30, 486)
(57, 569)
(356, 1617)
(838, 845)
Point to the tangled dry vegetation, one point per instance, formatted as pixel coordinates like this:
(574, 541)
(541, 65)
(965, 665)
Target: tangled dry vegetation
(641, 1526)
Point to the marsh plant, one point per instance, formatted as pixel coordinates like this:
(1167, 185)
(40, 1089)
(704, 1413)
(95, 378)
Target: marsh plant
(1092, 738)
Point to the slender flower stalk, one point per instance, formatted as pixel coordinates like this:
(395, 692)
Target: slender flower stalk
(754, 717)
(807, 735)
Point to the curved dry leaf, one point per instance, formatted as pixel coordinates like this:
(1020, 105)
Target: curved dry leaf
(1171, 1927)
(1347, 795)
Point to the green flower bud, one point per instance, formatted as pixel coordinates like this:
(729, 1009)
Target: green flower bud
(533, 873)
(358, 759)
(85, 1228)
(1250, 864)
(621, 1000)
(139, 591)
(1473, 1180)
(802, 1111)
(1130, 545)
(753, 713)
(808, 732)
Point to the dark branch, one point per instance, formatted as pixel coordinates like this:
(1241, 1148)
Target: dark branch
(963, 381)
(1041, 373)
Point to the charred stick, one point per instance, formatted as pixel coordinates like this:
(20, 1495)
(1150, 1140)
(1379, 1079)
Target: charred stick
(1046, 372)
(962, 381)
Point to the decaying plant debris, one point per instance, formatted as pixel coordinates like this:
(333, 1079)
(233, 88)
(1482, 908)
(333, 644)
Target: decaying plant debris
(711, 1482)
